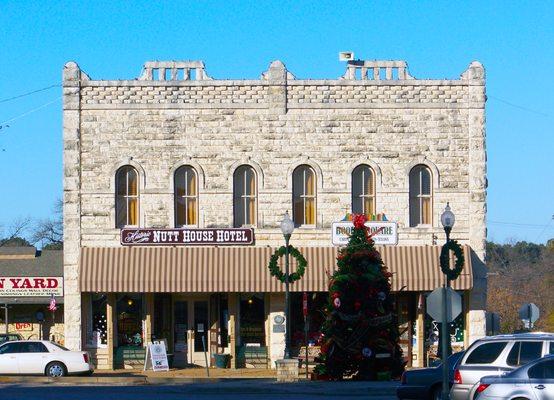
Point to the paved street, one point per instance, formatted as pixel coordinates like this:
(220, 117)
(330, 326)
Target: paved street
(244, 390)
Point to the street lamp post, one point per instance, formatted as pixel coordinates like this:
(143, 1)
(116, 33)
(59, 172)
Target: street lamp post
(447, 221)
(287, 227)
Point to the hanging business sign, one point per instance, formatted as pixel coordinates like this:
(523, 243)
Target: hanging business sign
(385, 232)
(187, 237)
(22, 286)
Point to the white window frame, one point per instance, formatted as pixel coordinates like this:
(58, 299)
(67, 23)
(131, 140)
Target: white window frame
(240, 173)
(420, 197)
(186, 196)
(364, 195)
(304, 196)
(126, 197)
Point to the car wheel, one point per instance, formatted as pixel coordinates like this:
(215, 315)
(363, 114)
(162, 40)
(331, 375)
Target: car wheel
(56, 370)
(436, 393)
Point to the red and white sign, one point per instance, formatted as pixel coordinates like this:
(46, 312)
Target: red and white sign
(22, 286)
(23, 326)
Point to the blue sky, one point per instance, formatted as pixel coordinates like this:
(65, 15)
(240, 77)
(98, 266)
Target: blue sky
(112, 39)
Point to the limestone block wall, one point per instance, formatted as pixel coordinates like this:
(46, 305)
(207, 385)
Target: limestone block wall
(273, 124)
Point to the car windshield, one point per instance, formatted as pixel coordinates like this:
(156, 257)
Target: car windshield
(59, 346)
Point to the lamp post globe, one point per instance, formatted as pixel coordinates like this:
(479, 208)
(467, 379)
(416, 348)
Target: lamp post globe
(447, 220)
(287, 227)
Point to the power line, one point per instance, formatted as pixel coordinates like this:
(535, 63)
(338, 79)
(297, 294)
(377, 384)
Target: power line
(516, 224)
(518, 106)
(29, 93)
(544, 230)
(29, 112)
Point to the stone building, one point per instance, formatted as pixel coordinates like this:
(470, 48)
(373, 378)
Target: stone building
(177, 151)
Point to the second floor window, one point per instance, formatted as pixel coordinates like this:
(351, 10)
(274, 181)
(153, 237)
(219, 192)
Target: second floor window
(244, 196)
(304, 195)
(420, 196)
(363, 190)
(186, 196)
(126, 197)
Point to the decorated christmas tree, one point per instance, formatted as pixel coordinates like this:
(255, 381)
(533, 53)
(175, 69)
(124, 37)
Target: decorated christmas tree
(360, 332)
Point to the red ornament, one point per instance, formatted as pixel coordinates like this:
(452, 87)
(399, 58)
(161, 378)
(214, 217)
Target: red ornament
(359, 220)
(357, 305)
(336, 302)
(334, 295)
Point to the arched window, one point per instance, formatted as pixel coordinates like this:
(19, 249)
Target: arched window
(363, 190)
(126, 197)
(303, 195)
(244, 196)
(420, 196)
(186, 196)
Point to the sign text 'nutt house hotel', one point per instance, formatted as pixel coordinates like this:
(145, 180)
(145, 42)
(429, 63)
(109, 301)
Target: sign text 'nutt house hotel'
(175, 184)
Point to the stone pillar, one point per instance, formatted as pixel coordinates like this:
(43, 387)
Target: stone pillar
(233, 314)
(287, 370)
(475, 77)
(276, 338)
(420, 336)
(148, 317)
(72, 203)
(110, 320)
(277, 75)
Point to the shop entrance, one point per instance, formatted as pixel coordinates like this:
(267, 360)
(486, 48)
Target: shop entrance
(190, 336)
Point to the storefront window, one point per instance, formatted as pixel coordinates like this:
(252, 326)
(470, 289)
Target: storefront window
(98, 323)
(129, 320)
(252, 319)
(316, 303)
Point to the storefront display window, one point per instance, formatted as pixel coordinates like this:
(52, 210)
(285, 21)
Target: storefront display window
(129, 320)
(98, 323)
(252, 319)
(316, 302)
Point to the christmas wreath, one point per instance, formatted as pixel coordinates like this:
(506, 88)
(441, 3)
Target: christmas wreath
(300, 264)
(453, 245)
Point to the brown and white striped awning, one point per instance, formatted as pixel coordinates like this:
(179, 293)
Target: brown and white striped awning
(244, 269)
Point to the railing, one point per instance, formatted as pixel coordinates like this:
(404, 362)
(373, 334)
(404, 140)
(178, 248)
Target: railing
(377, 70)
(174, 71)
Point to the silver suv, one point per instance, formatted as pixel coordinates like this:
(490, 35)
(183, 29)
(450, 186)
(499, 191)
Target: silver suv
(495, 355)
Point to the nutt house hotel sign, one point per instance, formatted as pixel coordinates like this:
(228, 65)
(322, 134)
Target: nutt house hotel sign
(175, 183)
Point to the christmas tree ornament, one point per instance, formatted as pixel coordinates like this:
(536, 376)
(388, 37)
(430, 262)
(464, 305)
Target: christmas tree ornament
(336, 302)
(366, 352)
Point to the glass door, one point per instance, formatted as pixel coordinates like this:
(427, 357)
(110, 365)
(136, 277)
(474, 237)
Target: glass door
(191, 331)
(199, 330)
(180, 334)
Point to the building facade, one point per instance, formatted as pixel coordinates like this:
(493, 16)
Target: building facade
(29, 280)
(177, 149)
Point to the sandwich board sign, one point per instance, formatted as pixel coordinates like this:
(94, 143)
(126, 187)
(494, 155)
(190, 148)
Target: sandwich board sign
(156, 357)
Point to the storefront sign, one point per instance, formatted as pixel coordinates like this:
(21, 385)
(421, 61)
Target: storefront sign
(23, 326)
(185, 236)
(20, 286)
(156, 357)
(387, 232)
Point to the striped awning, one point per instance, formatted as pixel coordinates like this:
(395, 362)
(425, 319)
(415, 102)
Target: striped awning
(244, 269)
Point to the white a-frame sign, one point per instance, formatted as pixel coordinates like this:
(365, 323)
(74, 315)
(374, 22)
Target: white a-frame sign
(156, 357)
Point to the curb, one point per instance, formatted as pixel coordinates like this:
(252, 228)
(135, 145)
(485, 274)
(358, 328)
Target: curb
(91, 380)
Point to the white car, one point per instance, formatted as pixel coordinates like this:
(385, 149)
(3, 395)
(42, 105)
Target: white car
(42, 357)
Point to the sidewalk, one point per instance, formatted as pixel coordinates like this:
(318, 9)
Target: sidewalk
(228, 381)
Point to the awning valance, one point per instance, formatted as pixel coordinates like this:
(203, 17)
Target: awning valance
(244, 269)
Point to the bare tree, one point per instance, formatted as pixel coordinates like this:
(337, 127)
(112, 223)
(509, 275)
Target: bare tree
(15, 233)
(49, 232)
